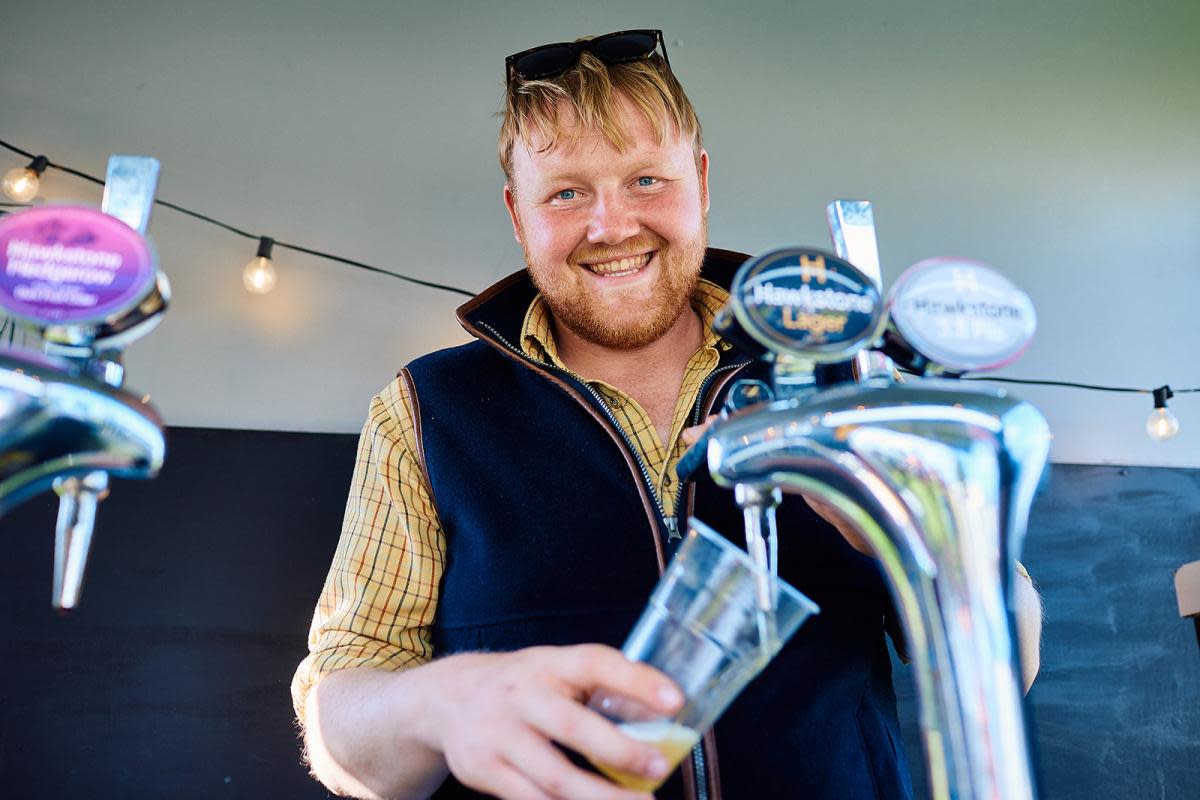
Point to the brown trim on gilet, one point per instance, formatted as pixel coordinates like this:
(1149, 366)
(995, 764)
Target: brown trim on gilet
(712, 770)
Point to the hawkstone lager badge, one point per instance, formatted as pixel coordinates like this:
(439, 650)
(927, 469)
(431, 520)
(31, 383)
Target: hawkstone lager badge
(807, 303)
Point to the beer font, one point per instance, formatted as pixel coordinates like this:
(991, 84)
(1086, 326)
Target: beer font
(936, 475)
(86, 283)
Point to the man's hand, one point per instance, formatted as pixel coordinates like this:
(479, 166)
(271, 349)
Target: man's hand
(500, 712)
(490, 718)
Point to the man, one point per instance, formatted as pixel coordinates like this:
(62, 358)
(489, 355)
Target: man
(515, 499)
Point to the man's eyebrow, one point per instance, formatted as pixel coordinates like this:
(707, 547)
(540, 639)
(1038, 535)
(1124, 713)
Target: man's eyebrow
(646, 165)
(558, 177)
(652, 165)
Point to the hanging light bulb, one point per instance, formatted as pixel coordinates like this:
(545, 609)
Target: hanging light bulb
(1162, 424)
(259, 275)
(21, 184)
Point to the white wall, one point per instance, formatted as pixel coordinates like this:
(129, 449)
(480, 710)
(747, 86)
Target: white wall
(1057, 141)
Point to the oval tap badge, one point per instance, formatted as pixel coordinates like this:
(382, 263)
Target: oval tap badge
(71, 265)
(807, 303)
(962, 314)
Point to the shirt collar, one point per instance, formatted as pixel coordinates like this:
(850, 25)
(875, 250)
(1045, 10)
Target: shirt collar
(537, 331)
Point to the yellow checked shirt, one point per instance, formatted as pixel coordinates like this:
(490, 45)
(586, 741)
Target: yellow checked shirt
(377, 606)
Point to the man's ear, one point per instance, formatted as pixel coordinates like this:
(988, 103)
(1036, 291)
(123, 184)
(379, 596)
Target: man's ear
(510, 202)
(702, 169)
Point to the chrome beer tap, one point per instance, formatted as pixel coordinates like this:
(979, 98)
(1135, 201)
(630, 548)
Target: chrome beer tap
(86, 281)
(938, 476)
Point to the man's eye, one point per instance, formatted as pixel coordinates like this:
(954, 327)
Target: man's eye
(646, 180)
(565, 194)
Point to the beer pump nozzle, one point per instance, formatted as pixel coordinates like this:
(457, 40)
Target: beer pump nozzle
(87, 281)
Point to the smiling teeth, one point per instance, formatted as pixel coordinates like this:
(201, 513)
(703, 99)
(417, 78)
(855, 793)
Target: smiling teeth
(622, 266)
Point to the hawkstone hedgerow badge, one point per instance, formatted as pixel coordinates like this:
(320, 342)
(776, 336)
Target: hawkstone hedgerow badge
(71, 265)
(808, 303)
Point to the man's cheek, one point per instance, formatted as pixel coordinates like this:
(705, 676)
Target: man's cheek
(545, 235)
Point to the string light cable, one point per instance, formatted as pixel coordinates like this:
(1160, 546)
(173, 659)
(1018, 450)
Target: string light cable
(259, 276)
(1160, 425)
(47, 163)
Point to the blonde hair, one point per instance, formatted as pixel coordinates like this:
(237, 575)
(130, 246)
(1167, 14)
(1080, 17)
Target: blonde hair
(590, 91)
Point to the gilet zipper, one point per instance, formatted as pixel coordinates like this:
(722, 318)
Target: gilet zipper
(670, 523)
(662, 514)
(696, 412)
(698, 764)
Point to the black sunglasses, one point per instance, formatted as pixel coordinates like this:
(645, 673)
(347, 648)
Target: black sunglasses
(548, 60)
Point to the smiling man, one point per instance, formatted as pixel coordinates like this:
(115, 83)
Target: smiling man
(515, 498)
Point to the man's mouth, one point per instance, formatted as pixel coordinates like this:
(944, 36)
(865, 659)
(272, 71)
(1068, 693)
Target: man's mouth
(618, 267)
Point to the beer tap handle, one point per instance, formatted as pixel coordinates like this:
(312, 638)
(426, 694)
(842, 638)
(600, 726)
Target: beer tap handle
(77, 500)
(693, 459)
(129, 188)
(84, 323)
(744, 393)
(852, 228)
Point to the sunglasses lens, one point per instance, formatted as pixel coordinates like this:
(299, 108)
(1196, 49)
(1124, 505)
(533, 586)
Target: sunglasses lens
(625, 47)
(545, 61)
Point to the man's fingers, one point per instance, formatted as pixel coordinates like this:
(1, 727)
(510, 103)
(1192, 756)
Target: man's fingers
(692, 435)
(839, 521)
(592, 667)
(586, 732)
(509, 783)
(553, 774)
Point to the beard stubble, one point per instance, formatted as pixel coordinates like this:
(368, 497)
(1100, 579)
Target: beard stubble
(671, 295)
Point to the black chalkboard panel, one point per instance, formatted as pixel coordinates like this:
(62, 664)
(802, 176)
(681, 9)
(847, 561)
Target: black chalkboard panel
(1117, 702)
(172, 678)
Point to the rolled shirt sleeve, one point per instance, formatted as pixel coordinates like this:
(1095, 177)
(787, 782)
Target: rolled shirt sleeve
(377, 604)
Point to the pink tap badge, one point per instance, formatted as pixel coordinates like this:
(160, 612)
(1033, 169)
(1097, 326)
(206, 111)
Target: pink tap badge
(71, 265)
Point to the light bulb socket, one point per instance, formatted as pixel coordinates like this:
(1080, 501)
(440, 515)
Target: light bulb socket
(1161, 395)
(38, 165)
(265, 243)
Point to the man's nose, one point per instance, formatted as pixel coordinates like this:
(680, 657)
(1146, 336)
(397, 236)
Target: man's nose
(612, 221)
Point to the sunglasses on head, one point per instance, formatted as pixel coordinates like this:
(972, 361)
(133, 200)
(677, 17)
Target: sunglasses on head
(549, 60)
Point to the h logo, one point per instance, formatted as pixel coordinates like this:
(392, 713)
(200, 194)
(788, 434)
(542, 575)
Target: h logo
(812, 266)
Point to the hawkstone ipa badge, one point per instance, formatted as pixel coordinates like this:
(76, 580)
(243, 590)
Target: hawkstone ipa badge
(962, 314)
(807, 303)
(71, 265)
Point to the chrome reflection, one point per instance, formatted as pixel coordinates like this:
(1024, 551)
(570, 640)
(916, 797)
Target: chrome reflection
(65, 422)
(939, 479)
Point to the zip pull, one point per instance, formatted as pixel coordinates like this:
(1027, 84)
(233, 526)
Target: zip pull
(673, 534)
